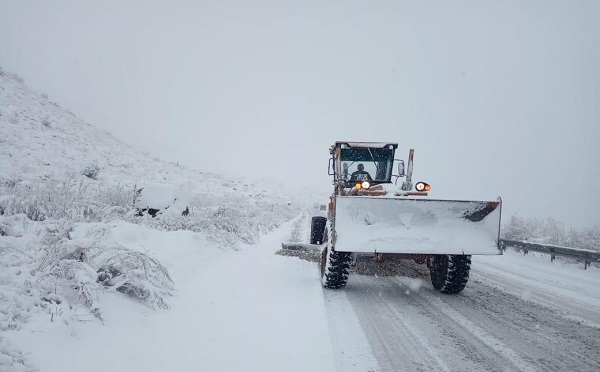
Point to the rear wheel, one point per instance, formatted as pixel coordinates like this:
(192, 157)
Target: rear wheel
(317, 229)
(450, 273)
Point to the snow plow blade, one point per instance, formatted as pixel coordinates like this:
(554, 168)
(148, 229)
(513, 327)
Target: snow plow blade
(301, 247)
(421, 226)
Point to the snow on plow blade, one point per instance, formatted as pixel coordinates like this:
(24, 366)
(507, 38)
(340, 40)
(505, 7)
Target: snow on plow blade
(427, 226)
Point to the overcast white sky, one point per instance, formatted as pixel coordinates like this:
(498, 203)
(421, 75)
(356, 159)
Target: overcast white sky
(496, 97)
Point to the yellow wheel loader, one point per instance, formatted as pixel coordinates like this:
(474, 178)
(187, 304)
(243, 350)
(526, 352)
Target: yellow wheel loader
(369, 214)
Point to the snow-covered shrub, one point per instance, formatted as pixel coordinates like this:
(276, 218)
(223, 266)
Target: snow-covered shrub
(550, 231)
(80, 268)
(44, 268)
(18, 249)
(74, 282)
(134, 274)
(160, 199)
(91, 171)
(229, 219)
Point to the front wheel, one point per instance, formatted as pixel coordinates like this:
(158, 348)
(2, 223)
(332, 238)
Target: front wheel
(450, 273)
(334, 267)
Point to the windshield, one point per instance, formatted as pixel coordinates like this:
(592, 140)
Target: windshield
(372, 164)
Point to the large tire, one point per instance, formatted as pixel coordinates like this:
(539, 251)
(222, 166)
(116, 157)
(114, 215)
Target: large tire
(334, 267)
(317, 229)
(450, 273)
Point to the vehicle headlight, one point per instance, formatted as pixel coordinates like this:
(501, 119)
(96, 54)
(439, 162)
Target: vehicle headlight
(422, 186)
(365, 185)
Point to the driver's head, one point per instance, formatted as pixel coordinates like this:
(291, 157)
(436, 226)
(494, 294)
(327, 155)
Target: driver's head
(361, 167)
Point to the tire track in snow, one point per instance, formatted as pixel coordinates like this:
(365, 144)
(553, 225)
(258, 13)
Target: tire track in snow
(484, 328)
(539, 332)
(391, 335)
(408, 334)
(485, 337)
(572, 307)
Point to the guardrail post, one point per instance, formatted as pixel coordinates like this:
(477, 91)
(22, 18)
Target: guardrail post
(586, 261)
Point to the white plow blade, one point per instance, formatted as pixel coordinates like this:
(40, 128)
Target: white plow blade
(393, 225)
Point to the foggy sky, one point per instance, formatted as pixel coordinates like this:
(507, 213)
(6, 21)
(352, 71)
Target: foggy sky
(498, 98)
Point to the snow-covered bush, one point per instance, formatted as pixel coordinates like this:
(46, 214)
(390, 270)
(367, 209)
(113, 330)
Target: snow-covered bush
(160, 199)
(73, 282)
(550, 231)
(134, 274)
(91, 171)
(230, 219)
(73, 198)
(43, 268)
(224, 219)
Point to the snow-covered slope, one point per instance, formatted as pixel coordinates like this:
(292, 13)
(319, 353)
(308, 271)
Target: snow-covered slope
(71, 241)
(39, 139)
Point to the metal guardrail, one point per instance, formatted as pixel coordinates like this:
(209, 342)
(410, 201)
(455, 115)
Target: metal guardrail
(588, 256)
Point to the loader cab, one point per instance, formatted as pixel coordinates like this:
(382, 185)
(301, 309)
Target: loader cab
(376, 159)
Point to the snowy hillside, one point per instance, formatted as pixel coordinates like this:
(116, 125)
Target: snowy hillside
(40, 140)
(70, 235)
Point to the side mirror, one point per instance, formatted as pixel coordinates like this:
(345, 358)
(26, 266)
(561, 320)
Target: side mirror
(330, 170)
(401, 168)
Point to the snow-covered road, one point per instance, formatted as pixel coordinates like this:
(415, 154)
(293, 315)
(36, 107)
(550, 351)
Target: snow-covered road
(483, 329)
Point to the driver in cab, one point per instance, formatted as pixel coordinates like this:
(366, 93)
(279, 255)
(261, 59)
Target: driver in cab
(361, 174)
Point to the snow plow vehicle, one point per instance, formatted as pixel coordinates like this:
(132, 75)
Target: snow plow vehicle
(368, 214)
